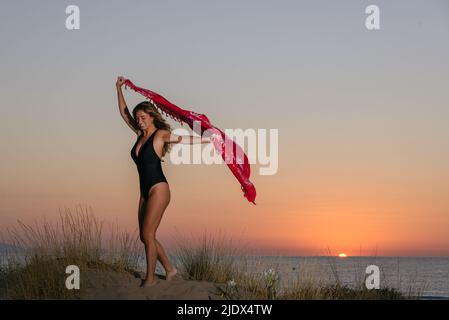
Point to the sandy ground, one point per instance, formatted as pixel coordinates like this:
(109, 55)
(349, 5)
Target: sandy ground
(109, 285)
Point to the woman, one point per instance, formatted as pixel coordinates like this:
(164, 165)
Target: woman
(154, 139)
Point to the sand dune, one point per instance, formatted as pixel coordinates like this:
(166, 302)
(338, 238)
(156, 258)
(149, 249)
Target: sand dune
(110, 285)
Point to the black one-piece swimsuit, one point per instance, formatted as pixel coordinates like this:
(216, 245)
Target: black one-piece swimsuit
(148, 165)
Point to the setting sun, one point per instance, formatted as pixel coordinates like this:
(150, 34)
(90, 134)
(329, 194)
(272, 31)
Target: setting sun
(342, 255)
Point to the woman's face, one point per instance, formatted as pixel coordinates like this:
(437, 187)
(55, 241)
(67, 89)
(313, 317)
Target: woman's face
(144, 120)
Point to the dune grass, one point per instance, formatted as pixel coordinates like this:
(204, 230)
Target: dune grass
(210, 259)
(206, 258)
(35, 268)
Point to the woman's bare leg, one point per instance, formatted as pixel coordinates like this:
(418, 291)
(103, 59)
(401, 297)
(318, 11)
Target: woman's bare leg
(161, 255)
(163, 258)
(158, 200)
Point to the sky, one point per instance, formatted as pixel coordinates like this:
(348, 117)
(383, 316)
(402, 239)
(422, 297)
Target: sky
(361, 116)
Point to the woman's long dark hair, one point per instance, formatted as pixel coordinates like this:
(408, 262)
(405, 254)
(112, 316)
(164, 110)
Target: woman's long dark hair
(158, 120)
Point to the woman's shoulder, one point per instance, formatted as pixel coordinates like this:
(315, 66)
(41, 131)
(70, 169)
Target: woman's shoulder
(163, 134)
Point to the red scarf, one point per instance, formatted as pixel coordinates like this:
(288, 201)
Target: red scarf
(239, 167)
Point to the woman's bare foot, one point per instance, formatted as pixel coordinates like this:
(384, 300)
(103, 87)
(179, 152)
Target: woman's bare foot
(171, 274)
(147, 284)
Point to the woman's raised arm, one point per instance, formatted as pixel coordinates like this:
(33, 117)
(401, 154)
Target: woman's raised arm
(124, 112)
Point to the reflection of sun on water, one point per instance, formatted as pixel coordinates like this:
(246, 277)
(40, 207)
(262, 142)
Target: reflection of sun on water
(342, 255)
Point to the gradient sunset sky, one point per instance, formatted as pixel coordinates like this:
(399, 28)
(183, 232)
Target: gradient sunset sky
(362, 118)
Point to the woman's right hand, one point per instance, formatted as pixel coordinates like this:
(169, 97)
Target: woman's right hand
(120, 81)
